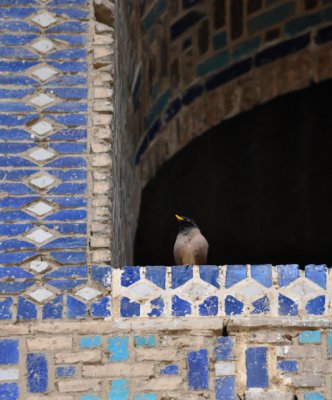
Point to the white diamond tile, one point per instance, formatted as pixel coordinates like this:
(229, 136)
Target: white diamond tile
(300, 288)
(42, 127)
(39, 235)
(44, 19)
(250, 289)
(42, 100)
(38, 265)
(44, 73)
(42, 181)
(41, 154)
(43, 46)
(88, 293)
(141, 290)
(9, 374)
(197, 291)
(40, 208)
(41, 294)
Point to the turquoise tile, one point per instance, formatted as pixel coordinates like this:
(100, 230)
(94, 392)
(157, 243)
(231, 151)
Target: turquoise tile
(157, 108)
(329, 344)
(146, 396)
(154, 14)
(118, 347)
(90, 341)
(214, 63)
(220, 41)
(89, 397)
(246, 48)
(145, 341)
(271, 18)
(313, 396)
(119, 390)
(309, 337)
(299, 25)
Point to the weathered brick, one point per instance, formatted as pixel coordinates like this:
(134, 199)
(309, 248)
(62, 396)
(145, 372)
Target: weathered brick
(85, 356)
(79, 385)
(119, 370)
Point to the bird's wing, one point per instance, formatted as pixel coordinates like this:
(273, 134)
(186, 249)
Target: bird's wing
(200, 248)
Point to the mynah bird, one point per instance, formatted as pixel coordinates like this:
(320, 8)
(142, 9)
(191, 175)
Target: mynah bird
(191, 247)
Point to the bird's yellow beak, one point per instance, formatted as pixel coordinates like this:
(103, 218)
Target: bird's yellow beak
(178, 217)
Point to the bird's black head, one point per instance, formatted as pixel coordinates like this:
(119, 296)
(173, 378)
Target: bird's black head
(185, 223)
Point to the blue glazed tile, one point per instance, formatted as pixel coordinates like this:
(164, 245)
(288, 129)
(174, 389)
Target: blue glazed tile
(313, 396)
(14, 216)
(26, 311)
(180, 307)
(189, 3)
(129, 308)
(170, 370)
(89, 397)
(14, 230)
(145, 341)
(65, 162)
(67, 2)
(282, 50)
(14, 287)
(14, 272)
(157, 108)
(13, 161)
(13, 134)
(225, 388)
(71, 271)
(9, 353)
(233, 306)
(119, 389)
(287, 306)
(261, 305)
(17, 52)
(68, 201)
(14, 244)
(67, 215)
(198, 370)
(130, 275)
(16, 202)
(66, 284)
(329, 344)
(157, 275)
(72, 54)
(72, 26)
(69, 106)
(324, 35)
(16, 258)
(9, 40)
(18, 2)
(65, 372)
(187, 43)
(12, 148)
(69, 257)
(75, 308)
(145, 396)
(68, 66)
(317, 274)
(16, 66)
(90, 342)
(17, 26)
(210, 274)
(102, 275)
(316, 306)
(262, 274)
(6, 308)
(69, 148)
(173, 109)
(216, 62)
(53, 309)
(192, 93)
(68, 228)
(224, 350)
(9, 391)
(228, 74)
(70, 175)
(310, 337)
(68, 119)
(301, 24)
(70, 80)
(180, 275)
(71, 12)
(16, 12)
(209, 306)
(287, 274)
(256, 364)
(235, 274)
(66, 243)
(17, 175)
(70, 134)
(157, 307)
(15, 120)
(69, 188)
(118, 348)
(220, 41)
(288, 366)
(17, 80)
(101, 308)
(185, 22)
(14, 107)
(37, 373)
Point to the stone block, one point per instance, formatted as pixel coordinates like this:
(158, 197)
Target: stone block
(86, 356)
(50, 343)
(79, 385)
(306, 379)
(119, 369)
(256, 394)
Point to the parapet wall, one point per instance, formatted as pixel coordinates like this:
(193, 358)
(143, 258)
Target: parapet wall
(184, 332)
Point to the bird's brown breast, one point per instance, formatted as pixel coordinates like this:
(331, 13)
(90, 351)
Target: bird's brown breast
(191, 248)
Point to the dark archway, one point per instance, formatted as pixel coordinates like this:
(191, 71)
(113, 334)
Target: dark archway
(259, 186)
